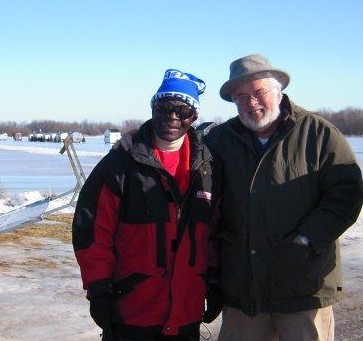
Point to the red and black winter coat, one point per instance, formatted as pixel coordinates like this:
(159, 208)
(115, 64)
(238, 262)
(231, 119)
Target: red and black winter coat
(133, 226)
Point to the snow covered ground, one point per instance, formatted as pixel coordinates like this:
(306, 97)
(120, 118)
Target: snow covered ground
(40, 293)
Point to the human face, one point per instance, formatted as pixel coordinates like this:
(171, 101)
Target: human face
(258, 105)
(170, 119)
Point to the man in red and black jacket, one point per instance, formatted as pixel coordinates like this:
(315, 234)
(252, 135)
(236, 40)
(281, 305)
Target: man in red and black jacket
(142, 230)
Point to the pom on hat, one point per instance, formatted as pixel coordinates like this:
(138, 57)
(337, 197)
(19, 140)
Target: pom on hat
(180, 86)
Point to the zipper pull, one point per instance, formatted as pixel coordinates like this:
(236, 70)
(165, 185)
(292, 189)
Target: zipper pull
(178, 213)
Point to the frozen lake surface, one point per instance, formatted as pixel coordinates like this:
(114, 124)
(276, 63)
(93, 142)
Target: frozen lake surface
(38, 166)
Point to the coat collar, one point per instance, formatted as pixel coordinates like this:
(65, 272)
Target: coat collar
(142, 149)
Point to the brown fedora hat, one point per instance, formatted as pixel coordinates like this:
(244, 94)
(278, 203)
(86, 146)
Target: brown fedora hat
(250, 68)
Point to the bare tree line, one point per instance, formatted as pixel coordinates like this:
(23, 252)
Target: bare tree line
(349, 121)
(48, 126)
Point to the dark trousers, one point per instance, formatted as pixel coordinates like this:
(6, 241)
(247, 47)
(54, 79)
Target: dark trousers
(114, 336)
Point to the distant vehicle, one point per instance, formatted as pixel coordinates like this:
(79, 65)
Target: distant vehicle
(36, 137)
(112, 135)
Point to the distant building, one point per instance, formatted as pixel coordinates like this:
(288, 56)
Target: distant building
(112, 135)
(77, 137)
(18, 136)
(3, 136)
(60, 137)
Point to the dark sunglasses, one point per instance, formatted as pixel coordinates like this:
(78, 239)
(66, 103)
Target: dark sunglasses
(183, 112)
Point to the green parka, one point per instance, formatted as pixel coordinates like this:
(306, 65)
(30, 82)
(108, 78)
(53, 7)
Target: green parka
(306, 182)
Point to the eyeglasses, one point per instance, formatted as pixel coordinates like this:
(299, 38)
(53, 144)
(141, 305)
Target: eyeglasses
(259, 96)
(183, 112)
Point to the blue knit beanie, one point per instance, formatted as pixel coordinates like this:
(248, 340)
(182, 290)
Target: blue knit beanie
(180, 86)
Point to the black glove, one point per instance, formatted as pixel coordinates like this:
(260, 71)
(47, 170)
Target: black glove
(101, 303)
(108, 335)
(214, 300)
(101, 309)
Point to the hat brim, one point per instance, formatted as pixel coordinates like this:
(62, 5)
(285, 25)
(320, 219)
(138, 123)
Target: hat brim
(228, 87)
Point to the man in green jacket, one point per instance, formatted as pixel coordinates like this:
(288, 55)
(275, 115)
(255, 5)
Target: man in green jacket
(291, 187)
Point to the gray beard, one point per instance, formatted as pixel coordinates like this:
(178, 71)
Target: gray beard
(269, 118)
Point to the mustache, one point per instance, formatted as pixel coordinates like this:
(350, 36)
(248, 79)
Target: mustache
(256, 108)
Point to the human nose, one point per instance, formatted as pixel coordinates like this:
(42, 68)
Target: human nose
(251, 98)
(173, 115)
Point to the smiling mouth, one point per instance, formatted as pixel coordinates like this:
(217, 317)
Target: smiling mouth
(258, 113)
(168, 127)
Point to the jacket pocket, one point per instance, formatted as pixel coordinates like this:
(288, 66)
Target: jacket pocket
(126, 285)
(227, 236)
(298, 271)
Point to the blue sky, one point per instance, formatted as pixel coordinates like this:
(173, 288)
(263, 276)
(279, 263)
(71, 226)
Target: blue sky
(103, 60)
